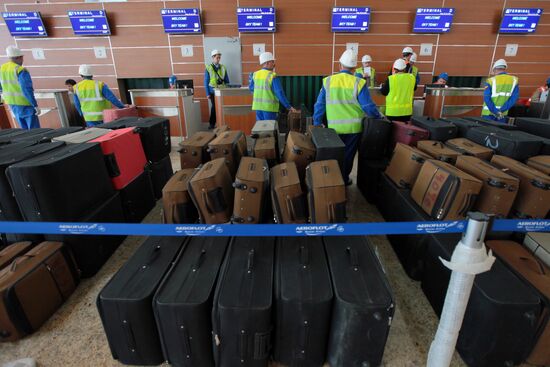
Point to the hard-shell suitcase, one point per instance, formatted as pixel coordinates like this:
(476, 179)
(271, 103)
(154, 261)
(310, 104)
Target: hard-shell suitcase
(125, 304)
(193, 150)
(82, 136)
(535, 126)
(440, 130)
(265, 129)
(326, 194)
(251, 191)
(375, 138)
(7, 149)
(499, 188)
(266, 148)
(46, 136)
(183, 303)
(119, 123)
(286, 194)
(155, 137)
(405, 164)
(407, 134)
(124, 156)
(14, 136)
(533, 199)
(462, 125)
(176, 199)
(61, 185)
(438, 151)
(9, 253)
(537, 275)
(303, 302)
(540, 163)
(138, 198)
(467, 147)
(241, 317)
(300, 150)
(363, 303)
(161, 172)
(487, 122)
(212, 192)
(33, 287)
(500, 322)
(112, 114)
(445, 192)
(328, 145)
(231, 146)
(513, 144)
(539, 244)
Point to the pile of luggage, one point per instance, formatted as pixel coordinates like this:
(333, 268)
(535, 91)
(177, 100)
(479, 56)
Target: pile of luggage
(220, 183)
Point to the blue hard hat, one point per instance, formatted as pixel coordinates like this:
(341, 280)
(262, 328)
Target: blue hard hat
(444, 76)
(172, 79)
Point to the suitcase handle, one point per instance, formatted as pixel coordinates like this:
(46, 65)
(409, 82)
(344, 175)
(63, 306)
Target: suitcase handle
(262, 345)
(304, 336)
(130, 339)
(418, 159)
(539, 268)
(250, 261)
(304, 255)
(112, 165)
(242, 345)
(495, 183)
(199, 261)
(352, 257)
(186, 346)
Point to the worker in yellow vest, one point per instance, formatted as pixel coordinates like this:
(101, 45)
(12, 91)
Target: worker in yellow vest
(367, 72)
(399, 91)
(413, 69)
(267, 89)
(91, 97)
(345, 99)
(215, 76)
(17, 90)
(501, 93)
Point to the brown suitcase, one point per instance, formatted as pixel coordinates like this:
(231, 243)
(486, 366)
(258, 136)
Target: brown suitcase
(540, 163)
(300, 150)
(251, 191)
(499, 188)
(444, 192)
(266, 148)
(533, 199)
(33, 287)
(193, 151)
(535, 273)
(176, 201)
(286, 194)
(294, 121)
(221, 129)
(230, 145)
(12, 251)
(326, 193)
(212, 192)
(468, 147)
(438, 150)
(405, 164)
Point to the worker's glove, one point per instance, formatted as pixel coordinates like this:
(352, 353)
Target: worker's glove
(37, 111)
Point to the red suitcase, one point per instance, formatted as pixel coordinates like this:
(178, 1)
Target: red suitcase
(115, 113)
(407, 134)
(123, 154)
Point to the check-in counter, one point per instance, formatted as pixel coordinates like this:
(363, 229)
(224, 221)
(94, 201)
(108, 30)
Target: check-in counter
(453, 102)
(234, 108)
(177, 105)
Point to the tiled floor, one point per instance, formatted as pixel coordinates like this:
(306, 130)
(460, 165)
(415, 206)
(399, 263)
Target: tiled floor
(74, 335)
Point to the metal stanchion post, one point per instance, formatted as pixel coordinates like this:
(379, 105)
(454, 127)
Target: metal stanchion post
(469, 258)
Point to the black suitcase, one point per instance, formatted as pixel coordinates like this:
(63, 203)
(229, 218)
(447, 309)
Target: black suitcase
(368, 177)
(61, 185)
(535, 126)
(155, 137)
(241, 317)
(9, 137)
(303, 302)
(363, 303)
(138, 198)
(183, 303)
(462, 125)
(375, 139)
(46, 136)
(14, 147)
(125, 304)
(439, 129)
(514, 144)
(328, 146)
(500, 323)
(161, 172)
(487, 122)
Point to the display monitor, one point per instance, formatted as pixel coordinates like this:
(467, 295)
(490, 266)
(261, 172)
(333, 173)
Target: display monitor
(25, 24)
(350, 19)
(256, 19)
(433, 20)
(520, 20)
(89, 22)
(181, 20)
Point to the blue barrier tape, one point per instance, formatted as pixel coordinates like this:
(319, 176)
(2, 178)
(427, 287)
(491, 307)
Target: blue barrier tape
(346, 229)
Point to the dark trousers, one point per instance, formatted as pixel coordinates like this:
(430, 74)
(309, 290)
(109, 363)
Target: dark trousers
(352, 144)
(212, 112)
(400, 118)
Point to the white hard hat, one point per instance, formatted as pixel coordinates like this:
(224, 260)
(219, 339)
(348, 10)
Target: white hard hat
(85, 70)
(13, 51)
(500, 64)
(413, 57)
(408, 50)
(366, 58)
(215, 52)
(399, 64)
(265, 57)
(348, 59)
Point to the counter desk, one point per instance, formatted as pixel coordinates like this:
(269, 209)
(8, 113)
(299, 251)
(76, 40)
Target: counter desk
(453, 102)
(234, 108)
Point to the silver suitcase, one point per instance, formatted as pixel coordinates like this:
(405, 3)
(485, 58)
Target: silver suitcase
(82, 136)
(539, 244)
(265, 129)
